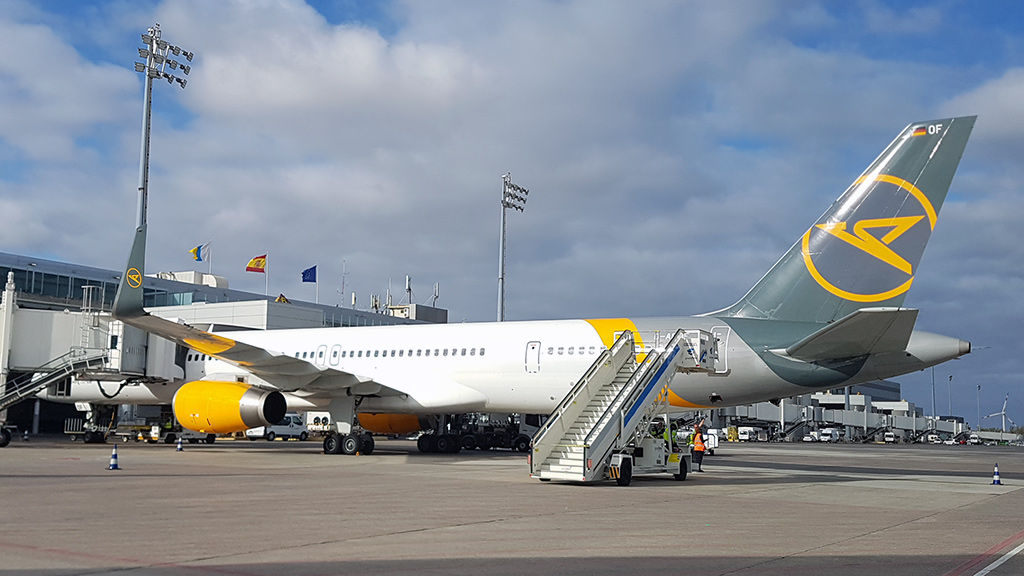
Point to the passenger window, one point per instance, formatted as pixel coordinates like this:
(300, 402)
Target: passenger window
(463, 351)
(321, 355)
(445, 351)
(551, 350)
(472, 351)
(419, 352)
(296, 354)
(392, 353)
(375, 353)
(303, 355)
(481, 351)
(400, 353)
(410, 352)
(570, 350)
(334, 353)
(591, 349)
(560, 350)
(437, 352)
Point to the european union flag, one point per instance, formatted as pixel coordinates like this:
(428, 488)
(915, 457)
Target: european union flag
(309, 274)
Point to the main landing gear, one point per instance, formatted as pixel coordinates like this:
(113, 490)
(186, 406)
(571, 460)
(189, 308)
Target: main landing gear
(336, 443)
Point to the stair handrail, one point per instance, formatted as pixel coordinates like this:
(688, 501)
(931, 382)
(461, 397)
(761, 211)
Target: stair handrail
(77, 358)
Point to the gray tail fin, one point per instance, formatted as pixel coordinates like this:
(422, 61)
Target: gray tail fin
(128, 301)
(864, 251)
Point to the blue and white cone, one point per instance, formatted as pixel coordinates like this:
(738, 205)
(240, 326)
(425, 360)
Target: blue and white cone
(995, 476)
(179, 444)
(113, 459)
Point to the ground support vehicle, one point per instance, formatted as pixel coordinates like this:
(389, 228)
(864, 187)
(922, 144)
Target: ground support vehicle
(649, 456)
(486, 431)
(291, 426)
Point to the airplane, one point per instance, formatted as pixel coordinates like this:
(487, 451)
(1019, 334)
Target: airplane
(828, 314)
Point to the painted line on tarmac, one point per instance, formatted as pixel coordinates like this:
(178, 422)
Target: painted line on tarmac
(999, 562)
(987, 554)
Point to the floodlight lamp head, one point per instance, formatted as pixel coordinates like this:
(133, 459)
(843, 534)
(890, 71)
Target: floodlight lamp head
(143, 53)
(147, 38)
(176, 50)
(182, 81)
(186, 69)
(140, 67)
(188, 56)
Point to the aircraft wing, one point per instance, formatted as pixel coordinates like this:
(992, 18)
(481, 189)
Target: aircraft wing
(281, 370)
(866, 331)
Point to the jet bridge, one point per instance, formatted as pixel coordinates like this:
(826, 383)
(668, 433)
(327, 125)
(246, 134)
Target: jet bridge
(611, 408)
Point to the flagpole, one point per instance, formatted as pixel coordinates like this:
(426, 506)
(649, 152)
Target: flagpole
(316, 267)
(209, 257)
(266, 275)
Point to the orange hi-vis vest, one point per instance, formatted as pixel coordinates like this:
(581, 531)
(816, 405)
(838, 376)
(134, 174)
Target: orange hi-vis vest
(698, 442)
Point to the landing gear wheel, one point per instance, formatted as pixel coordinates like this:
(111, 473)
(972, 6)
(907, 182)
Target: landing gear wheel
(625, 472)
(332, 443)
(349, 444)
(681, 475)
(303, 436)
(5, 437)
(522, 443)
(368, 445)
(442, 444)
(427, 443)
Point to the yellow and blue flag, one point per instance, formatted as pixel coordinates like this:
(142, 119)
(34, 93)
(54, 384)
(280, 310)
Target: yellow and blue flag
(197, 253)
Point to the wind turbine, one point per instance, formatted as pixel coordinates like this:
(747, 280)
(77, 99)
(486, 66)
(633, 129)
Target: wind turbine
(1003, 413)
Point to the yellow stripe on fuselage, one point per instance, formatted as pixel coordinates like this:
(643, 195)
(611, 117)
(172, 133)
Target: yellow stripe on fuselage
(609, 328)
(677, 401)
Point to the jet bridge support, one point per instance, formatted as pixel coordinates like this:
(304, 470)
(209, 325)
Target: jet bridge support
(601, 429)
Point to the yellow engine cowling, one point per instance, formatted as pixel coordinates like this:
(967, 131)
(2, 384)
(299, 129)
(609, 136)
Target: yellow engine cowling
(223, 407)
(393, 423)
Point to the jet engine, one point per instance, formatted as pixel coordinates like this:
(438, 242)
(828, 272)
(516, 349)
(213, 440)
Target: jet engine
(223, 407)
(393, 423)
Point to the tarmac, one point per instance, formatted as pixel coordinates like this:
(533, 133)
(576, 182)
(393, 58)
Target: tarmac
(262, 508)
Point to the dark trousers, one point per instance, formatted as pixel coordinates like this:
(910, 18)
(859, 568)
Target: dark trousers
(698, 457)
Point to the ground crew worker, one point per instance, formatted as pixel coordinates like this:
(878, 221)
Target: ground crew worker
(698, 445)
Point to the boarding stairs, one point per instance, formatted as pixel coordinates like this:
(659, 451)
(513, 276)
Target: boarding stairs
(614, 400)
(75, 361)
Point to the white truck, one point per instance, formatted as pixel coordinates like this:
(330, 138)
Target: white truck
(291, 426)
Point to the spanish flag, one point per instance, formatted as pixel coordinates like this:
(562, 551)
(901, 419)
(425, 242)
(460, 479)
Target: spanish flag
(257, 264)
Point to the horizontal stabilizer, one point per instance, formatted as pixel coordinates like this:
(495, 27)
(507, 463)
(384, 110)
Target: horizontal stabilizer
(866, 331)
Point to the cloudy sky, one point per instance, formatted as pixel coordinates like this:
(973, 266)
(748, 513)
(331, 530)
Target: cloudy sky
(674, 150)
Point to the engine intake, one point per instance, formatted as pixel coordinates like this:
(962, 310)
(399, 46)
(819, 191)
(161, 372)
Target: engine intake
(224, 407)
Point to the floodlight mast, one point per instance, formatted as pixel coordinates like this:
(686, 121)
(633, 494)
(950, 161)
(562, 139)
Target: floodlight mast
(514, 197)
(156, 53)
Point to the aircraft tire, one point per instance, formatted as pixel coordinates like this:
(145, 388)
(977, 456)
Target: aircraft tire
(5, 437)
(349, 444)
(625, 472)
(332, 443)
(367, 444)
(427, 443)
(443, 444)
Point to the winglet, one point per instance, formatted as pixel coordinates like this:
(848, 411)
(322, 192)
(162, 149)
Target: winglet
(128, 301)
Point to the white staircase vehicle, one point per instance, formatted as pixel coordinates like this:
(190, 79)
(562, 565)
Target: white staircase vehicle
(614, 399)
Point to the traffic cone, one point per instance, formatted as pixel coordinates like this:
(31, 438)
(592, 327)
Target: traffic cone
(179, 444)
(995, 476)
(113, 459)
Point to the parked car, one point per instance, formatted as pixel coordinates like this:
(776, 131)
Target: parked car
(291, 426)
(889, 438)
